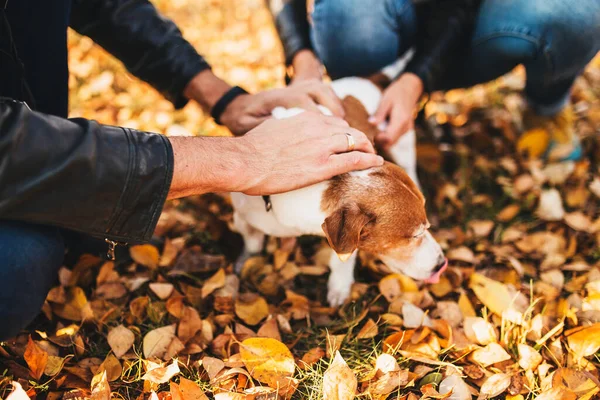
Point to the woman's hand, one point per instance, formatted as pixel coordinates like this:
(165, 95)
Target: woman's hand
(306, 66)
(397, 107)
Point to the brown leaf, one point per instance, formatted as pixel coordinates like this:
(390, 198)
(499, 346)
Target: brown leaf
(187, 390)
(251, 308)
(490, 354)
(76, 308)
(113, 368)
(369, 330)
(578, 221)
(213, 283)
(162, 290)
(269, 329)
(157, 341)
(36, 359)
(145, 254)
(339, 381)
(494, 386)
(311, 357)
(100, 387)
(120, 340)
(189, 324)
(158, 373)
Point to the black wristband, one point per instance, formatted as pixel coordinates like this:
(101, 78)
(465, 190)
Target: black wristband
(224, 101)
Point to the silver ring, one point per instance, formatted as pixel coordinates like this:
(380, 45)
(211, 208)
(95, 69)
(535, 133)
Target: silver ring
(351, 142)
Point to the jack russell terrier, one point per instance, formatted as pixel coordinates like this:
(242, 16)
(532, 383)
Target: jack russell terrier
(379, 210)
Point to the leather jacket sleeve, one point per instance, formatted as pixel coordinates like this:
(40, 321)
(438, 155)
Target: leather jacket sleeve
(292, 25)
(151, 46)
(105, 181)
(443, 29)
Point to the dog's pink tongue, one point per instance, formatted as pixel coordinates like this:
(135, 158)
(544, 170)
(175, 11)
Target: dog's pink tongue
(435, 278)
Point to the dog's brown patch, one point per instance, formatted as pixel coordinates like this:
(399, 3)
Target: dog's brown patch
(358, 117)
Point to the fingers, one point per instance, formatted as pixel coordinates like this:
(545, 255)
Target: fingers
(352, 161)
(382, 112)
(325, 96)
(399, 124)
(340, 142)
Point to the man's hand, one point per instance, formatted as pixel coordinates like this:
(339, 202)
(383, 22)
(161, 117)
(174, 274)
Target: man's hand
(306, 66)
(246, 112)
(275, 157)
(397, 107)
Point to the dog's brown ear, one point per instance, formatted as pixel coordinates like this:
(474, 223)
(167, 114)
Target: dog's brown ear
(343, 229)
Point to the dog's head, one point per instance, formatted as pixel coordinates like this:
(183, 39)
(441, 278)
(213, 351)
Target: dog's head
(382, 211)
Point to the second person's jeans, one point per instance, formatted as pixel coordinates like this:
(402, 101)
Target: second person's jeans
(554, 39)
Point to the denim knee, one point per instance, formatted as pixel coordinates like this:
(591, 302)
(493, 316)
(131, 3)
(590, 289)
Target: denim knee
(30, 258)
(358, 38)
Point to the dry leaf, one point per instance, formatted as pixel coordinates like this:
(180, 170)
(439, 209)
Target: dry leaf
(480, 228)
(162, 290)
(490, 354)
(157, 341)
(529, 358)
(578, 221)
(17, 393)
(479, 330)
(414, 317)
(186, 390)
(460, 390)
(36, 359)
(390, 381)
(268, 360)
(550, 207)
(493, 294)
(585, 342)
(76, 308)
(312, 357)
(120, 339)
(368, 331)
(494, 386)
(100, 387)
(339, 381)
(145, 254)
(158, 373)
(213, 283)
(251, 308)
(189, 324)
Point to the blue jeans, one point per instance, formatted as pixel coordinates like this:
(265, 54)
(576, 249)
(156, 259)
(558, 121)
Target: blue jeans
(30, 256)
(553, 39)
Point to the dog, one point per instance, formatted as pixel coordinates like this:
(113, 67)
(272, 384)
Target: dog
(379, 210)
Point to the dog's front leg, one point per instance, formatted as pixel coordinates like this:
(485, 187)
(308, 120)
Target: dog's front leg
(253, 241)
(341, 279)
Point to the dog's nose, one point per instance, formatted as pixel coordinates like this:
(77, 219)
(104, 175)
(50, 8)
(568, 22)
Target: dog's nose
(437, 272)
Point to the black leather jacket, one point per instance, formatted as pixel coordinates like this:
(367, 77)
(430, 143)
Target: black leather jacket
(106, 181)
(443, 27)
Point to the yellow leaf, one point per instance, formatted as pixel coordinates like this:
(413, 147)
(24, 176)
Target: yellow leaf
(120, 340)
(493, 294)
(145, 254)
(251, 308)
(490, 354)
(529, 358)
(113, 368)
(36, 359)
(268, 360)
(213, 283)
(339, 381)
(76, 308)
(585, 342)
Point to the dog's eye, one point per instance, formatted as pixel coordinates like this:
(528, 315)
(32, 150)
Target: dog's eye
(418, 235)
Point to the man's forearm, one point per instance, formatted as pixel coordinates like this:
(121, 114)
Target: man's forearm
(206, 164)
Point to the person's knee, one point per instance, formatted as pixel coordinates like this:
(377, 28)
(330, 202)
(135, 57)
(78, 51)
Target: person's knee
(359, 37)
(31, 256)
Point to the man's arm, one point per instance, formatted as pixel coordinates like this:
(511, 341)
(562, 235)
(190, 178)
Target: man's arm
(112, 182)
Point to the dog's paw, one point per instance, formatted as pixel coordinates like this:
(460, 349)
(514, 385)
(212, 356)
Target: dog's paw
(338, 291)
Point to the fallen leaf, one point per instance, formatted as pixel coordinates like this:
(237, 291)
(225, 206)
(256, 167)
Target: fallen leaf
(479, 330)
(390, 381)
(145, 254)
(339, 381)
(494, 386)
(529, 358)
(158, 373)
(490, 354)
(550, 207)
(213, 283)
(368, 331)
(100, 387)
(414, 317)
(157, 341)
(36, 359)
(585, 342)
(460, 390)
(189, 324)
(162, 290)
(312, 356)
(493, 294)
(112, 367)
(187, 390)
(268, 360)
(76, 308)
(120, 339)
(251, 308)
(17, 393)
(578, 221)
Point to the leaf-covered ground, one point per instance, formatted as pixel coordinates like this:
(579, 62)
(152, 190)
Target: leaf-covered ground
(517, 314)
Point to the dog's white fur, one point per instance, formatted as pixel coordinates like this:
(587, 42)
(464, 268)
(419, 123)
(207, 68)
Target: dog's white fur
(299, 212)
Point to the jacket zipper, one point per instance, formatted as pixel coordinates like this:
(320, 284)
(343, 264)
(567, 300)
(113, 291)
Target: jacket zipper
(112, 244)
